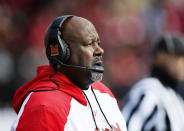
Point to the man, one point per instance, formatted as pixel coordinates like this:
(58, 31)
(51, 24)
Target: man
(153, 104)
(66, 96)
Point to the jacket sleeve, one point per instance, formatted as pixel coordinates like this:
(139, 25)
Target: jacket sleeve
(40, 118)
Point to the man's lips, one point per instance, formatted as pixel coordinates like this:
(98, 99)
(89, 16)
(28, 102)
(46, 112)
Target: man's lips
(98, 63)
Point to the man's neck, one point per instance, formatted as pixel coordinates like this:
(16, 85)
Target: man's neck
(78, 78)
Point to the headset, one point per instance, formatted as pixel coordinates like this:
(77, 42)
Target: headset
(57, 50)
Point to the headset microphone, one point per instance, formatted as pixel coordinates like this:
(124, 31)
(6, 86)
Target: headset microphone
(98, 69)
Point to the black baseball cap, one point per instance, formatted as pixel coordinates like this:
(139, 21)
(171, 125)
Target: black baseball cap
(169, 43)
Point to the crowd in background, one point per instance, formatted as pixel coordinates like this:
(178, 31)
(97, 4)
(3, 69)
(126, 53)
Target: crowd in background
(126, 28)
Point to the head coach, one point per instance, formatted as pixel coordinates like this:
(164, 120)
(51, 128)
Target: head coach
(67, 95)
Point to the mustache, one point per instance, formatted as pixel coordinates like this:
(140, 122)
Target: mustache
(96, 60)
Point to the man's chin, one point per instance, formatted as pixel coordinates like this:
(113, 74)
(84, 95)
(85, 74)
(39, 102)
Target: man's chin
(96, 76)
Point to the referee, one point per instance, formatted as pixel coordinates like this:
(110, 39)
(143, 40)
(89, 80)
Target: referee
(152, 103)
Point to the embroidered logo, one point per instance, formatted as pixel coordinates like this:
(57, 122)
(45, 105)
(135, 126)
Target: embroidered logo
(95, 112)
(114, 128)
(54, 50)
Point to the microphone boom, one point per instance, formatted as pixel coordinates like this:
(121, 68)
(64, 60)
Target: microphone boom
(98, 69)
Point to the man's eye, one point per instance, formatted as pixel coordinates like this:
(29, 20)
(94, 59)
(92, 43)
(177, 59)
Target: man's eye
(89, 44)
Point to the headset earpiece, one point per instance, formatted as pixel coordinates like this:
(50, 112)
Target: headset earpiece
(65, 56)
(56, 47)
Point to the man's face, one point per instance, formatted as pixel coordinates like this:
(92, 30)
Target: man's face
(174, 64)
(85, 46)
(176, 67)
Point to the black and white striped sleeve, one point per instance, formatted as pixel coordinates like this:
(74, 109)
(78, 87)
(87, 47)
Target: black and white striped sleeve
(142, 112)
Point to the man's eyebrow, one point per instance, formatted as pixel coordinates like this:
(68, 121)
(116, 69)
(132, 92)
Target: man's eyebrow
(96, 39)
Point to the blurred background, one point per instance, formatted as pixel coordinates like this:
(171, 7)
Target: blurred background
(126, 28)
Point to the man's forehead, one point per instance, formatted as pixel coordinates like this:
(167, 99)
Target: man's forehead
(77, 24)
(81, 29)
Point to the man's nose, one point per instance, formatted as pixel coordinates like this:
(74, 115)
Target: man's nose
(98, 50)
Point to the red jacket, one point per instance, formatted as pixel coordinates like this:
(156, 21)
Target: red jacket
(65, 109)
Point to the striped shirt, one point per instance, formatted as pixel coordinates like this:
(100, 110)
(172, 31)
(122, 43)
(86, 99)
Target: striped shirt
(150, 106)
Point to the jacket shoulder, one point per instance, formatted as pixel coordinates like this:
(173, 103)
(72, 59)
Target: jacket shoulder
(49, 108)
(102, 88)
(149, 84)
(57, 100)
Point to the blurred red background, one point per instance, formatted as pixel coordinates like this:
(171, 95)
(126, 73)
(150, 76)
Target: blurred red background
(126, 28)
